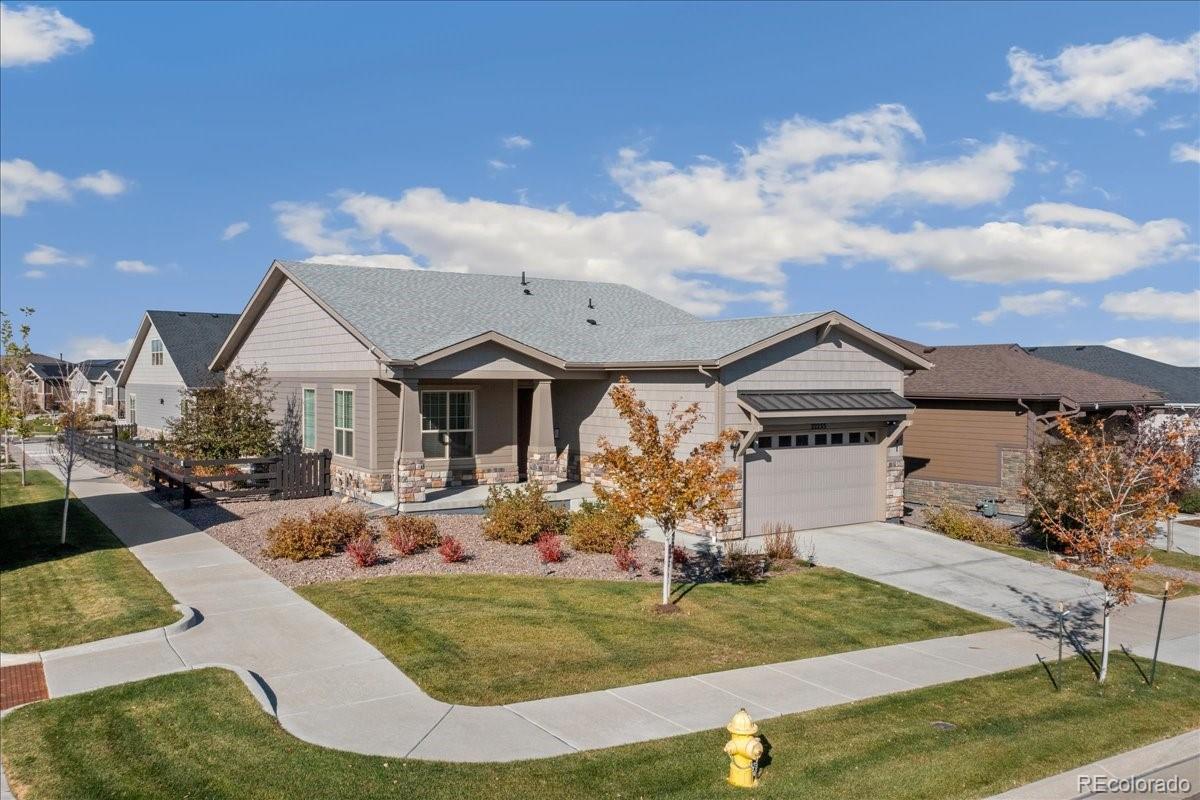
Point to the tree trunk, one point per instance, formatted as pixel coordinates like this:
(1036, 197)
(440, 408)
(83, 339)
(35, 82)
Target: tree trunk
(23, 462)
(668, 554)
(66, 506)
(1104, 646)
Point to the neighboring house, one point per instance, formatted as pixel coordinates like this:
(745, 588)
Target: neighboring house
(1180, 386)
(418, 380)
(94, 383)
(169, 355)
(981, 411)
(43, 394)
(47, 381)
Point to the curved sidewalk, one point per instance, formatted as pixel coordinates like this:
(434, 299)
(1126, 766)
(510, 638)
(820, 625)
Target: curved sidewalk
(330, 687)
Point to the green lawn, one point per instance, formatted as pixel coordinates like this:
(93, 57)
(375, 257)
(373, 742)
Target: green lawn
(199, 734)
(480, 640)
(55, 596)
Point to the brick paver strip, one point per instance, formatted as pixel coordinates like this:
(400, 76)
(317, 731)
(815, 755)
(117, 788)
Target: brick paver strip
(22, 683)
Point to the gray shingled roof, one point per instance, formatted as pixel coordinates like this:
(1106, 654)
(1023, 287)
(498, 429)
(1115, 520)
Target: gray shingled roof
(411, 313)
(52, 370)
(768, 401)
(93, 368)
(193, 339)
(1177, 384)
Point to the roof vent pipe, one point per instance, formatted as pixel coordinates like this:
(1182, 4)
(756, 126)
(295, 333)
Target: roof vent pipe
(523, 281)
(590, 305)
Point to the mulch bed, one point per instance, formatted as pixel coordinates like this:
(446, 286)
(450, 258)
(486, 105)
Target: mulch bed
(243, 526)
(22, 683)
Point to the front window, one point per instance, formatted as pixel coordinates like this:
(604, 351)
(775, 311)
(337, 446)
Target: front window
(447, 424)
(310, 419)
(108, 395)
(343, 423)
(156, 352)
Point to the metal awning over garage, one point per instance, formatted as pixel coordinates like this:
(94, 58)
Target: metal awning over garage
(769, 403)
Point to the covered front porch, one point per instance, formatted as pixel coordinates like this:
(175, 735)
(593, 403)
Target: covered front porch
(456, 437)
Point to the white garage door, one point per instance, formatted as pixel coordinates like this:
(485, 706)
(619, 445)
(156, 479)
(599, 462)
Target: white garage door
(812, 480)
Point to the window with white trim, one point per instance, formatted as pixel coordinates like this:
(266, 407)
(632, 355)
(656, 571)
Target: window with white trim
(309, 410)
(156, 352)
(448, 423)
(108, 395)
(343, 422)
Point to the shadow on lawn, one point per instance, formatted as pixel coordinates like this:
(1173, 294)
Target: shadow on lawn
(30, 533)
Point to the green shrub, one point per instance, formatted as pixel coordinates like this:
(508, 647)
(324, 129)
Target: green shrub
(408, 533)
(1189, 502)
(520, 516)
(600, 528)
(959, 524)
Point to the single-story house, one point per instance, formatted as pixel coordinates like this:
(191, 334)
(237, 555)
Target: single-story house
(980, 413)
(47, 381)
(93, 383)
(43, 385)
(1180, 386)
(169, 356)
(418, 379)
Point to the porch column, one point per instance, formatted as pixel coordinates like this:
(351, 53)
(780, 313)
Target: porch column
(408, 477)
(543, 456)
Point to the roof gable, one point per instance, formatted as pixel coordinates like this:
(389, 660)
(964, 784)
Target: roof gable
(1177, 384)
(190, 337)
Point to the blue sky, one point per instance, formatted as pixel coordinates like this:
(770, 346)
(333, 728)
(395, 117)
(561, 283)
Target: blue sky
(948, 173)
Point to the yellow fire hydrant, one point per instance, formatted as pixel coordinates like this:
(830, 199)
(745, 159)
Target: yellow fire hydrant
(743, 748)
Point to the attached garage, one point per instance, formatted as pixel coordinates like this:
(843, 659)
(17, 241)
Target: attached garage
(818, 459)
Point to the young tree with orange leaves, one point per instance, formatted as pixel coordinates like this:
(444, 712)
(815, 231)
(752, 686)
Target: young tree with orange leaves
(1114, 482)
(650, 479)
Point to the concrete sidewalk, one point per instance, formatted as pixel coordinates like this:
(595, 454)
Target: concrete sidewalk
(1176, 758)
(330, 687)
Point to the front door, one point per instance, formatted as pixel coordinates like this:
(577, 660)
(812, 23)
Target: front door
(524, 418)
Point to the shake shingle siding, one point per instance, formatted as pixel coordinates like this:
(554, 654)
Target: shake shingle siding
(802, 364)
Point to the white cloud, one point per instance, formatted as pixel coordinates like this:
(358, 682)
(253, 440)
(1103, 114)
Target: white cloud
(22, 183)
(1175, 123)
(1182, 151)
(79, 348)
(135, 267)
(1051, 301)
(383, 260)
(1093, 80)
(102, 183)
(496, 165)
(1150, 303)
(937, 325)
(35, 273)
(304, 224)
(43, 255)
(234, 229)
(710, 233)
(35, 34)
(516, 142)
(1178, 350)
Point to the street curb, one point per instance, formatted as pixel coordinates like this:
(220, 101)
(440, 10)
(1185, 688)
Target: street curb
(189, 619)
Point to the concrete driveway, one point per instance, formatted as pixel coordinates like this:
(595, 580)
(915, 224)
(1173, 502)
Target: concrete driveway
(1000, 586)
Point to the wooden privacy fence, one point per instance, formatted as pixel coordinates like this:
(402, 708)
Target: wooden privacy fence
(287, 476)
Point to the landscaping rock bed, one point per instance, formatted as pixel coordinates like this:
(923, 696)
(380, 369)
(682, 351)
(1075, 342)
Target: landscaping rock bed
(243, 526)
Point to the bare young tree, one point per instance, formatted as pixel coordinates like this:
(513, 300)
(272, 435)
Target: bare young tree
(18, 397)
(73, 421)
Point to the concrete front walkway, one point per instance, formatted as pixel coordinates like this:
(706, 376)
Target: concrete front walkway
(330, 687)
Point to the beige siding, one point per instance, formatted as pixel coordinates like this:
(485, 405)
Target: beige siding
(961, 440)
(488, 360)
(291, 385)
(840, 362)
(295, 335)
(586, 407)
(387, 423)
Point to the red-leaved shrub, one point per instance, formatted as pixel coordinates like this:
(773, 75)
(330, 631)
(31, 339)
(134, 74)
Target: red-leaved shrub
(626, 559)
(362, 551)
(549, 548)
(451, 550)
(680, 556)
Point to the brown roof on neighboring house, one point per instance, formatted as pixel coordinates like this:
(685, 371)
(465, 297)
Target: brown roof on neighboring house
(1004, 371)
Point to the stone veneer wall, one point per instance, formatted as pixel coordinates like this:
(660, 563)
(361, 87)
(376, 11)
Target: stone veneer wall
(357, 482)
(415, 479)
(894, 490)
(934, 492)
